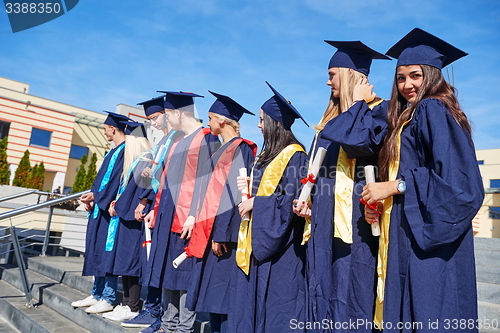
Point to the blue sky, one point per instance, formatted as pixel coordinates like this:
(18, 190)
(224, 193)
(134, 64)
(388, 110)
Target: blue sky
(103, 53)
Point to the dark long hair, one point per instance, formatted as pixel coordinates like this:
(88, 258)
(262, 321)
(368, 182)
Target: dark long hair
(433, 86)
(276, 138)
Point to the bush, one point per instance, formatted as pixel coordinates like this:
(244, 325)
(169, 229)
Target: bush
(79, 183)
(23, 171)
(4, 165)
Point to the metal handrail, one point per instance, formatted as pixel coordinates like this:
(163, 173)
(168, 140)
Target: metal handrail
(22, 194)
(15, 240)
(50, 203)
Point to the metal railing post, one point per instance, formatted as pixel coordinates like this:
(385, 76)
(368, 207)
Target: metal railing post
(47, 231)
(21, 265)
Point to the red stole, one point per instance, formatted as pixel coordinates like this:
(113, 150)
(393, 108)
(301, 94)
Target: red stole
(204, 223)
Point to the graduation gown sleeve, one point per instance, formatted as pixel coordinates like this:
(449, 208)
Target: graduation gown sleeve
(445, 191)
(360, 130)
(273, 217)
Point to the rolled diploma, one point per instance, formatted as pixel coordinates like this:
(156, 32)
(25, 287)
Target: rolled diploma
(244, 192)
(180, 259)
(148, 241)
(370, 178)
(159, 155)
(316, 164)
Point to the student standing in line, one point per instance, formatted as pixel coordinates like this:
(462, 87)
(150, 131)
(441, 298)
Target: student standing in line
(150, 316)
(341, 251)
(270, 284)
(175, 208)
(97, 202)
(123, 242)
(431, 191)
(215, 234)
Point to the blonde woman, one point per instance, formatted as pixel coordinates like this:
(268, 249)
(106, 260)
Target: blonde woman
(341, 251)
(215, 235)
(123, 244)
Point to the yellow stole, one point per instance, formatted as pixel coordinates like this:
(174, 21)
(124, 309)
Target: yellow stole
(344, 185)
(270, 180)
(385, 221)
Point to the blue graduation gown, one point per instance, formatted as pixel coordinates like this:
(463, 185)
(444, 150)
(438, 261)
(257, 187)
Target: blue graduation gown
(341, 277)
(97, 228)
(124, 258)
(273, 293)
(430, 269)
(209, 289)
(165, 244)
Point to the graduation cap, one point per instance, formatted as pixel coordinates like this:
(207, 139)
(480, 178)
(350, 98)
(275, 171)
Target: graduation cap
(227, 107)
(115, 119)
(179, 100)
(153, 105)
(281, 109)
(355, 55)
(134, 128)
(419, 47)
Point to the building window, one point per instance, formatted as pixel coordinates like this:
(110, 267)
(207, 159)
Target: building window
(494, 183)
(495, 213)
(78, 151)
(480, 162)
(40, 138)
(4, 129)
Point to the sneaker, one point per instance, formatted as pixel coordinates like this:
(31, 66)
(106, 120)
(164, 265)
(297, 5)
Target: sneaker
(143, 319)
(154, 326)
(89, 301)
(100, 306)
(122, 314)
(116, 311)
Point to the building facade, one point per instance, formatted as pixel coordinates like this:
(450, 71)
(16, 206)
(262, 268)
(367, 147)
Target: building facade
(488, 220)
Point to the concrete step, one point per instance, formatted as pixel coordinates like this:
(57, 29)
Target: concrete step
(68, 271)
(40, 319)
(59, 297)
(5, 327)
(65, 270)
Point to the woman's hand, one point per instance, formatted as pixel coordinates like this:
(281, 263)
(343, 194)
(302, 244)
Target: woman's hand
(242, 183)
(149, 220)
(363, 90)
(372, 216)
(245, 206)
(378, 191)
(219, 248)
(139, 210)
(187, 228)
(111, 209)
(301, 209)
(147, 172)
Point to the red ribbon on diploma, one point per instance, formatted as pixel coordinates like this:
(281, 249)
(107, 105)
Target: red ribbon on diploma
(310, 178)
(373, 206)
(145, 243)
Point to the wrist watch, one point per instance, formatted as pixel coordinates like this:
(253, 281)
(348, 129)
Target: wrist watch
(401, 186)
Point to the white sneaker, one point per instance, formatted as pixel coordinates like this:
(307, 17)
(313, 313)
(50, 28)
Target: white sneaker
(123, 314)
(116, 311)
(89, 301)
(100, 306)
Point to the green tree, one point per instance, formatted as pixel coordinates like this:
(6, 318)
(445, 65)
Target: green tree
(37, 177)
(79, 182)
(23, 171)
(4, 165)
(91, 172)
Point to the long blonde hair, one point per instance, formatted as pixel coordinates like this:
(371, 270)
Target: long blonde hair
(338, 105)
(233, 123)
(134, 148)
